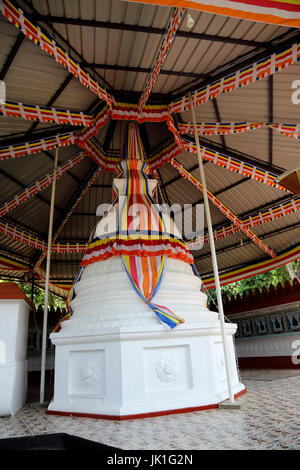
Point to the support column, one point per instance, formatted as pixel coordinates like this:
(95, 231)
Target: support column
(214, 257)
(45, 319)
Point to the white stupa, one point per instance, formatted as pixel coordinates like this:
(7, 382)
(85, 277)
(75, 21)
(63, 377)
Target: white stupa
(114, 357)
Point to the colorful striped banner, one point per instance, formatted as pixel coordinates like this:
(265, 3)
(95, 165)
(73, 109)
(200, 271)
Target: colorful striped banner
(262, 217)
(246, 75)
(280, 12)
(252, 269)
(235, 165)
(144, 248)
(226, 128)
(234, 275)
(36, 146)
(32, 112)
(42, 39)
(227, 212)
(164, 49)
(119, 111)
(39, 185)
(127, 112)
(132, 112)
(9, 264)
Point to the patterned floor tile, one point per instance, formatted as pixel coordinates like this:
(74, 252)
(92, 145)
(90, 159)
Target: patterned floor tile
(271, 420)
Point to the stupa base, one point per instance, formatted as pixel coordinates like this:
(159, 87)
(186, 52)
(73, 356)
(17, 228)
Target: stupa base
(143, 415)
(127, 373)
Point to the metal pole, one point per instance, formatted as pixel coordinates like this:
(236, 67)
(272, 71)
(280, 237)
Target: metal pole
(45, 319)
(214, 257)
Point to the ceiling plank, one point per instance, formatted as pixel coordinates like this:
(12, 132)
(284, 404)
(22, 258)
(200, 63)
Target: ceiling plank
(12, 55)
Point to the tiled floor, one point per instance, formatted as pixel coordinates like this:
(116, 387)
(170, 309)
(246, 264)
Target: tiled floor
(271, 420)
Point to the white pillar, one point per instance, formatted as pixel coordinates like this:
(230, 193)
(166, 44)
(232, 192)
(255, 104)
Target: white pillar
(214, 257)
(45, 319)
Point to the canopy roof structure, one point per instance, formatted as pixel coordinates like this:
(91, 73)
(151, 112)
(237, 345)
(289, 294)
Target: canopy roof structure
(77, 71)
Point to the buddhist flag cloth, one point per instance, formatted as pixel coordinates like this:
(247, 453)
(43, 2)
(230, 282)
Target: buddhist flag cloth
(144, 272)
(140, 217)
(140, 236)
(281, 12)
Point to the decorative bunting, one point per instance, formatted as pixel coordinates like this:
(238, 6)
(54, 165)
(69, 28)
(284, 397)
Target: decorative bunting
(42, 39)
(22, 236)
(253, 269)
(280, 12)
(127, 112)
(268, 215)
(132, 112)
(162, 54)
(227, 212)
(36, 146)
(39, 185)
(257, 71)
(235, 165)
(34, 241)
(234, 275)
(119, 111)
(32, 112)
(225, 128)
